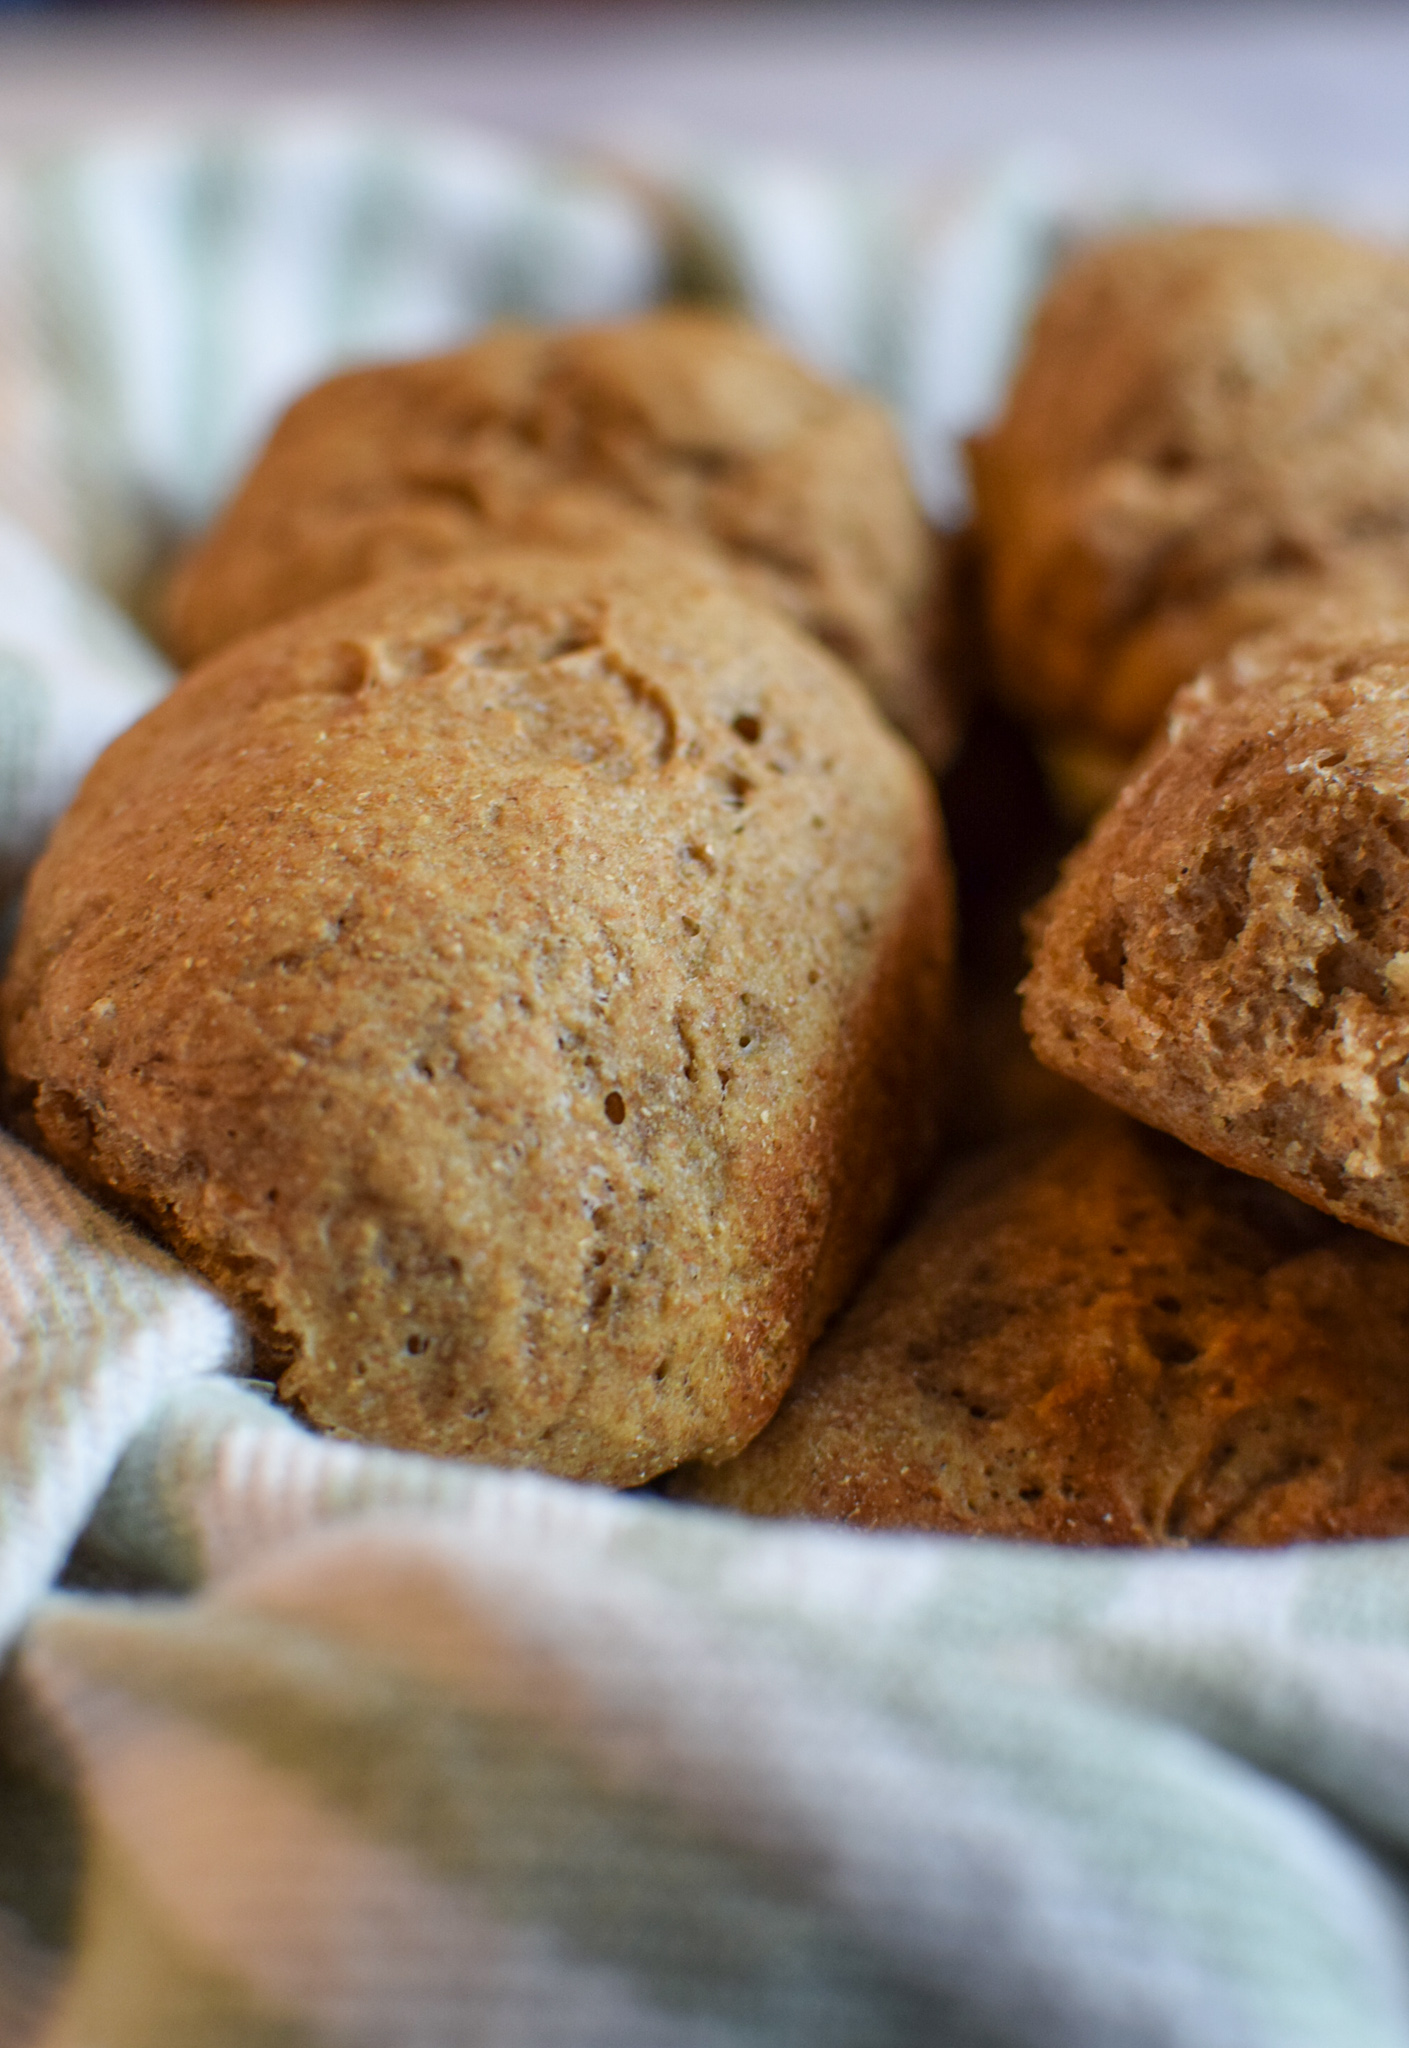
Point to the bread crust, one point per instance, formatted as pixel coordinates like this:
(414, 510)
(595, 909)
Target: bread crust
(682, 419)
(1210, 426)
(1102, 1338)
(519, 987)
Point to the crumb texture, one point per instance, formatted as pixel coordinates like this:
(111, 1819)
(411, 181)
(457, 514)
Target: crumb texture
(1100, 1337)
(687, 420)
(519, 987)
(1210, 425)
(1227, 956)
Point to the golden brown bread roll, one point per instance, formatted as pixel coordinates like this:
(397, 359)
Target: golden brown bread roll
(1100, 1337)
(519, 987)
(1209, 425)
(687, 419)
(1227, 956)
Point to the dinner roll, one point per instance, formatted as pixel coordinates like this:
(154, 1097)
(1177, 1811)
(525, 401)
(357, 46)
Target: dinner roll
(1227, 956)
(1100, 1337)
(519, 987)
(685, 418)
(1209, 424)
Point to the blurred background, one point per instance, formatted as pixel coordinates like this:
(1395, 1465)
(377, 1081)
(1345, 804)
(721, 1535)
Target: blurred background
(1241, 100)
(204, 207)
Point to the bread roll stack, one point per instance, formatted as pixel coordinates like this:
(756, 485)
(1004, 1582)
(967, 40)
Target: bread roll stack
(1200, 488)
(519, 979)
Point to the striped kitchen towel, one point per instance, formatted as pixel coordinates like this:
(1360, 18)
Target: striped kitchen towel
(377, 1750)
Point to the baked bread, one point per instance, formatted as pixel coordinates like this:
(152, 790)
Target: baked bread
(687, 418)
(1209, 425)
(1101, 1337)
(519, 987)
(1227, 956)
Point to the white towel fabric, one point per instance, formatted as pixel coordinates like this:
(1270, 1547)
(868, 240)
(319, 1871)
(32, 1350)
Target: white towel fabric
(168, 296)
(73, 675)
(331, 1746)
(442, 1755)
